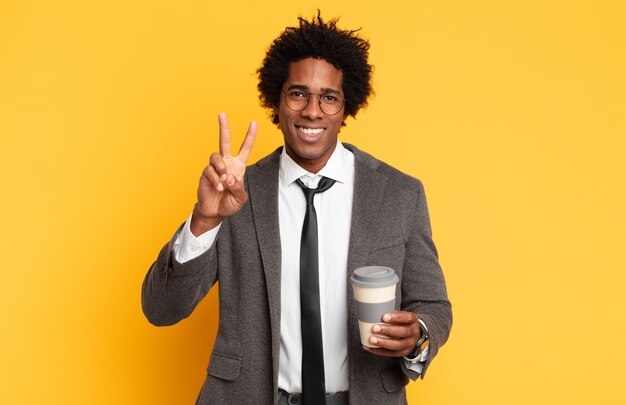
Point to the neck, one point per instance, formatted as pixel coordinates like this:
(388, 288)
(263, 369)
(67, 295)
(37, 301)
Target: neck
(312, 165)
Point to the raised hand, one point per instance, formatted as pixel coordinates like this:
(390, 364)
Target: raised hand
(221, 191)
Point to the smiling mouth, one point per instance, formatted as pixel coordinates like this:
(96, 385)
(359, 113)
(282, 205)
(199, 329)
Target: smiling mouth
(310, 131)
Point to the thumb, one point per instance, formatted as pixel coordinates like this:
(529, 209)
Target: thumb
(236, 188)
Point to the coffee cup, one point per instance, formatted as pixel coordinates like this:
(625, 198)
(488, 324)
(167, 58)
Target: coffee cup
(375, 294)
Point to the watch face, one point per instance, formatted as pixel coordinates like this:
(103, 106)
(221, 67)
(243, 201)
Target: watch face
(423, 345)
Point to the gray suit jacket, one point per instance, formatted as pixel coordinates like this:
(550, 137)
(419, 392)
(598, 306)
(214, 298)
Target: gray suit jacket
(390, 227)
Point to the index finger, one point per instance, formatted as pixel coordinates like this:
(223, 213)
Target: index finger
(224, 135)
(248, 142)
(404, 317)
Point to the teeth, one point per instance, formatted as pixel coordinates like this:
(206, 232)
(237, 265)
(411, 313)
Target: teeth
(311, 131)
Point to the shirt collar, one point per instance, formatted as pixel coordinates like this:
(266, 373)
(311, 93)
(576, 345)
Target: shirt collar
(339, 167)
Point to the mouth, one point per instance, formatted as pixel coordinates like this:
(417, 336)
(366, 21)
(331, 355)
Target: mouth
(310, 131)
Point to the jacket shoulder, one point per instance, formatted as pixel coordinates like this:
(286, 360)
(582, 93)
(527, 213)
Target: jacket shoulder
(365, 161)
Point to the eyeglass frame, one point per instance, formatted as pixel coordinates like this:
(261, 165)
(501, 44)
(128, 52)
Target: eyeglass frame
(339, 97)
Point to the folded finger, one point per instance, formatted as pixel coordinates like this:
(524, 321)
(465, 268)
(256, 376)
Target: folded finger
(218, 163)
(213, 178)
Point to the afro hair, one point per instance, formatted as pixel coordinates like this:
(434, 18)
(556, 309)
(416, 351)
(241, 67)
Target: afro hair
(318, 39)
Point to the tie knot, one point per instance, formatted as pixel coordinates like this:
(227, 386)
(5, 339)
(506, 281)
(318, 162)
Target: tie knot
(324, 184)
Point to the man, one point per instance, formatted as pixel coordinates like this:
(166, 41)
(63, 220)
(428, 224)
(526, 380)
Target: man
(288, 330)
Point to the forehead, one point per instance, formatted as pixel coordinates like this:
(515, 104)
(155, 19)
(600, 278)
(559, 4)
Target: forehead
(314, 75)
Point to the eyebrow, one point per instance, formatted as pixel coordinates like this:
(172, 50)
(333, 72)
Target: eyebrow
(325, 90)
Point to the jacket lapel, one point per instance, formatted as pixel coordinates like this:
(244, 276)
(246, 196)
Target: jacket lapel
(262, 183)
(365, 208)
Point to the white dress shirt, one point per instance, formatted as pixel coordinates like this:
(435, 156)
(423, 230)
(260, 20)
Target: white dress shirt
(334, 214)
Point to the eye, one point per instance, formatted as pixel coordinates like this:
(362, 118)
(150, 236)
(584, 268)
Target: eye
(297, 94)
(329, 98)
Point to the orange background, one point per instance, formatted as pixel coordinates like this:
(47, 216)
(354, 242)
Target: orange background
(512, 114)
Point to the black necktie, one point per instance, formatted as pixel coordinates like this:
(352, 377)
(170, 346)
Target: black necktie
(313, 379)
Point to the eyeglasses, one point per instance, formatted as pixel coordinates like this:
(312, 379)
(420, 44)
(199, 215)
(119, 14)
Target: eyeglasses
(298, 100)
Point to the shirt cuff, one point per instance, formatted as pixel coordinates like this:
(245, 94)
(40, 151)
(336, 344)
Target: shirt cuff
(417, 367)
(187, 247)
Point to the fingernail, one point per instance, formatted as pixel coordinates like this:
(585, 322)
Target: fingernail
(387, 317)
(231, 181)
(373, 340)
(376, 328)
(223, 177)
(220, 187)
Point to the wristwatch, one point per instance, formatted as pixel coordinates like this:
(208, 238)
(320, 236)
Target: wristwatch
(421, 344)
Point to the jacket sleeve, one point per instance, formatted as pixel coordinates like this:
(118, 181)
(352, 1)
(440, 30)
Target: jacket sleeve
(423, 285)
(171, 290)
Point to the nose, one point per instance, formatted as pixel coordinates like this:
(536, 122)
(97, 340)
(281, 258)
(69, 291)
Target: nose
(313, 109)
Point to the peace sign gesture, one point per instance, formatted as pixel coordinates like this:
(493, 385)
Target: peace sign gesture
(221, 191)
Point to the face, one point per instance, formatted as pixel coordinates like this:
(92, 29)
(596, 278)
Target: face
(311, 135)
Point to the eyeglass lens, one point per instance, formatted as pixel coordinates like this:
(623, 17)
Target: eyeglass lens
(297, 100)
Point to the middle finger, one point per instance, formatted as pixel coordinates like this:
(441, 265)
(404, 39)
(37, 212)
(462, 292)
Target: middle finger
(393, 331)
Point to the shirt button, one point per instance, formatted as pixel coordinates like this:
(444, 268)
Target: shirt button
(293, 400)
